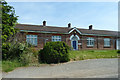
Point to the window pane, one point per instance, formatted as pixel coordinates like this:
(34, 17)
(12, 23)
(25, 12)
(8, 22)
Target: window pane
(52, 39)
(90, 41)
(28, 40)
(32, 35)
(106, 41)
(56, 38)
(28, 36)
(32, 39)
(35, 41)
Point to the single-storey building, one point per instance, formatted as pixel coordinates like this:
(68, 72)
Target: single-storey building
(77, 38)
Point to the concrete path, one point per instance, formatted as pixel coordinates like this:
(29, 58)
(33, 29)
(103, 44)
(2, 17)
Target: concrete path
(94, 68)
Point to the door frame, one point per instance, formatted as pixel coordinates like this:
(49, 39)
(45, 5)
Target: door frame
(77, 38)
(76, 44)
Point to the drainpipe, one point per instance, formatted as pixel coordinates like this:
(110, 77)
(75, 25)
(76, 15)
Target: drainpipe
(97, 42)
(81, 41)
(45, 40)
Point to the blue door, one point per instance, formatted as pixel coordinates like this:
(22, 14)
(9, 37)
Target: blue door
(74, 44)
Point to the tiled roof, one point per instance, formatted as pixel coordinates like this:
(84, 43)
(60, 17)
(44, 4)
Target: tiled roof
(63, 29)
(102, 32)
(41, 28)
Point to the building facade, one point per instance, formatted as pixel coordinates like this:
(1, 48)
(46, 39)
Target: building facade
(77, 38)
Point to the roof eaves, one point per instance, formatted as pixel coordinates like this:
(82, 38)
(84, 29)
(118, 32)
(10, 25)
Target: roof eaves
(75, 29)
(42, 31)
(99, 34)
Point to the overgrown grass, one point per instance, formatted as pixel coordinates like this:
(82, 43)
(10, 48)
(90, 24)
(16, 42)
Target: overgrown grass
(92, 54)
(8, 66)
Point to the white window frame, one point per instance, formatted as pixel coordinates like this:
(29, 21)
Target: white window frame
(90, 41)
(118, 44)
(56, 38)
(106, 42)
(32, 39)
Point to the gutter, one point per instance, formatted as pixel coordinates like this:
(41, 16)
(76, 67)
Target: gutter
(42, 31)
(98, 35)
(65, 33)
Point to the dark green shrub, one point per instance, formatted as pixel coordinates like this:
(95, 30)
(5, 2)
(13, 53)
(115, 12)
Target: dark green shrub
(13, 50)
(54, 52)
(118, 51)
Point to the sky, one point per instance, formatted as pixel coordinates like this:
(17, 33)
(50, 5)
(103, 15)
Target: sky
(102, 15)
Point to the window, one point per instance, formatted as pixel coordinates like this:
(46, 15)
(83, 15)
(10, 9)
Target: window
(56, 38)
(106, 42)
(32, 39)
(90, 41)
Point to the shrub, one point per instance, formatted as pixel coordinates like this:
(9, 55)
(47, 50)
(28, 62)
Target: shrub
(23, 52)
(118, 51)
(29, 57)
(25, 58)
(35, 52)
(54, 52)
(13, 50)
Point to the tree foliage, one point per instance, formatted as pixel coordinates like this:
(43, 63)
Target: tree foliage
(9, 20)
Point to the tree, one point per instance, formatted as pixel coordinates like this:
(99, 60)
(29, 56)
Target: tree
(9, 19)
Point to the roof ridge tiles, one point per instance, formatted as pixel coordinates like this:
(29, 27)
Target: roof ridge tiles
(41, 25)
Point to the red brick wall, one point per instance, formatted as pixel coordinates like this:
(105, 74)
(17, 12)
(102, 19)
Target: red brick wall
(99, 41)
(48, 36)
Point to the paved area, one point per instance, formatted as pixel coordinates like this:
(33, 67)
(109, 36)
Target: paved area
(94, 68)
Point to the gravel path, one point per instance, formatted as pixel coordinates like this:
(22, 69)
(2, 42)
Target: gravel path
(94, 68)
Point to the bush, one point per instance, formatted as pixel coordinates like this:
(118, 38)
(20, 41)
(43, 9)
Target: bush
(54, 52)
(35, 51)
(118, 51)
(13, 50)
(25, 58)
(29, 57)
(23, 52)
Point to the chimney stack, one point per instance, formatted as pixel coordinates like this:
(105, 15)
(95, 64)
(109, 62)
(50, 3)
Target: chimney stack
(69, 25)
(90, 27)
(44, 23)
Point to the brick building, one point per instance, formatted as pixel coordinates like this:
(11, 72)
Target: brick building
(77, 38)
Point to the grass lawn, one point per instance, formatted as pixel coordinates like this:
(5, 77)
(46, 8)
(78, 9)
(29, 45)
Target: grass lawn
(92, 54)
(10, 65)
(74, 56)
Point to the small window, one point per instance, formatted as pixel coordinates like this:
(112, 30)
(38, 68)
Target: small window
(107, 42)
(56, 38)
(90, 41)
(32, 39)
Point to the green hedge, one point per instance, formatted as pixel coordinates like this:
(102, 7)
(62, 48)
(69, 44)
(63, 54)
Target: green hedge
(54, 52)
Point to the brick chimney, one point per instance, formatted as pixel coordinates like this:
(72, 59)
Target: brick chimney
(90, 27)
(44, 23)
(69, 25)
